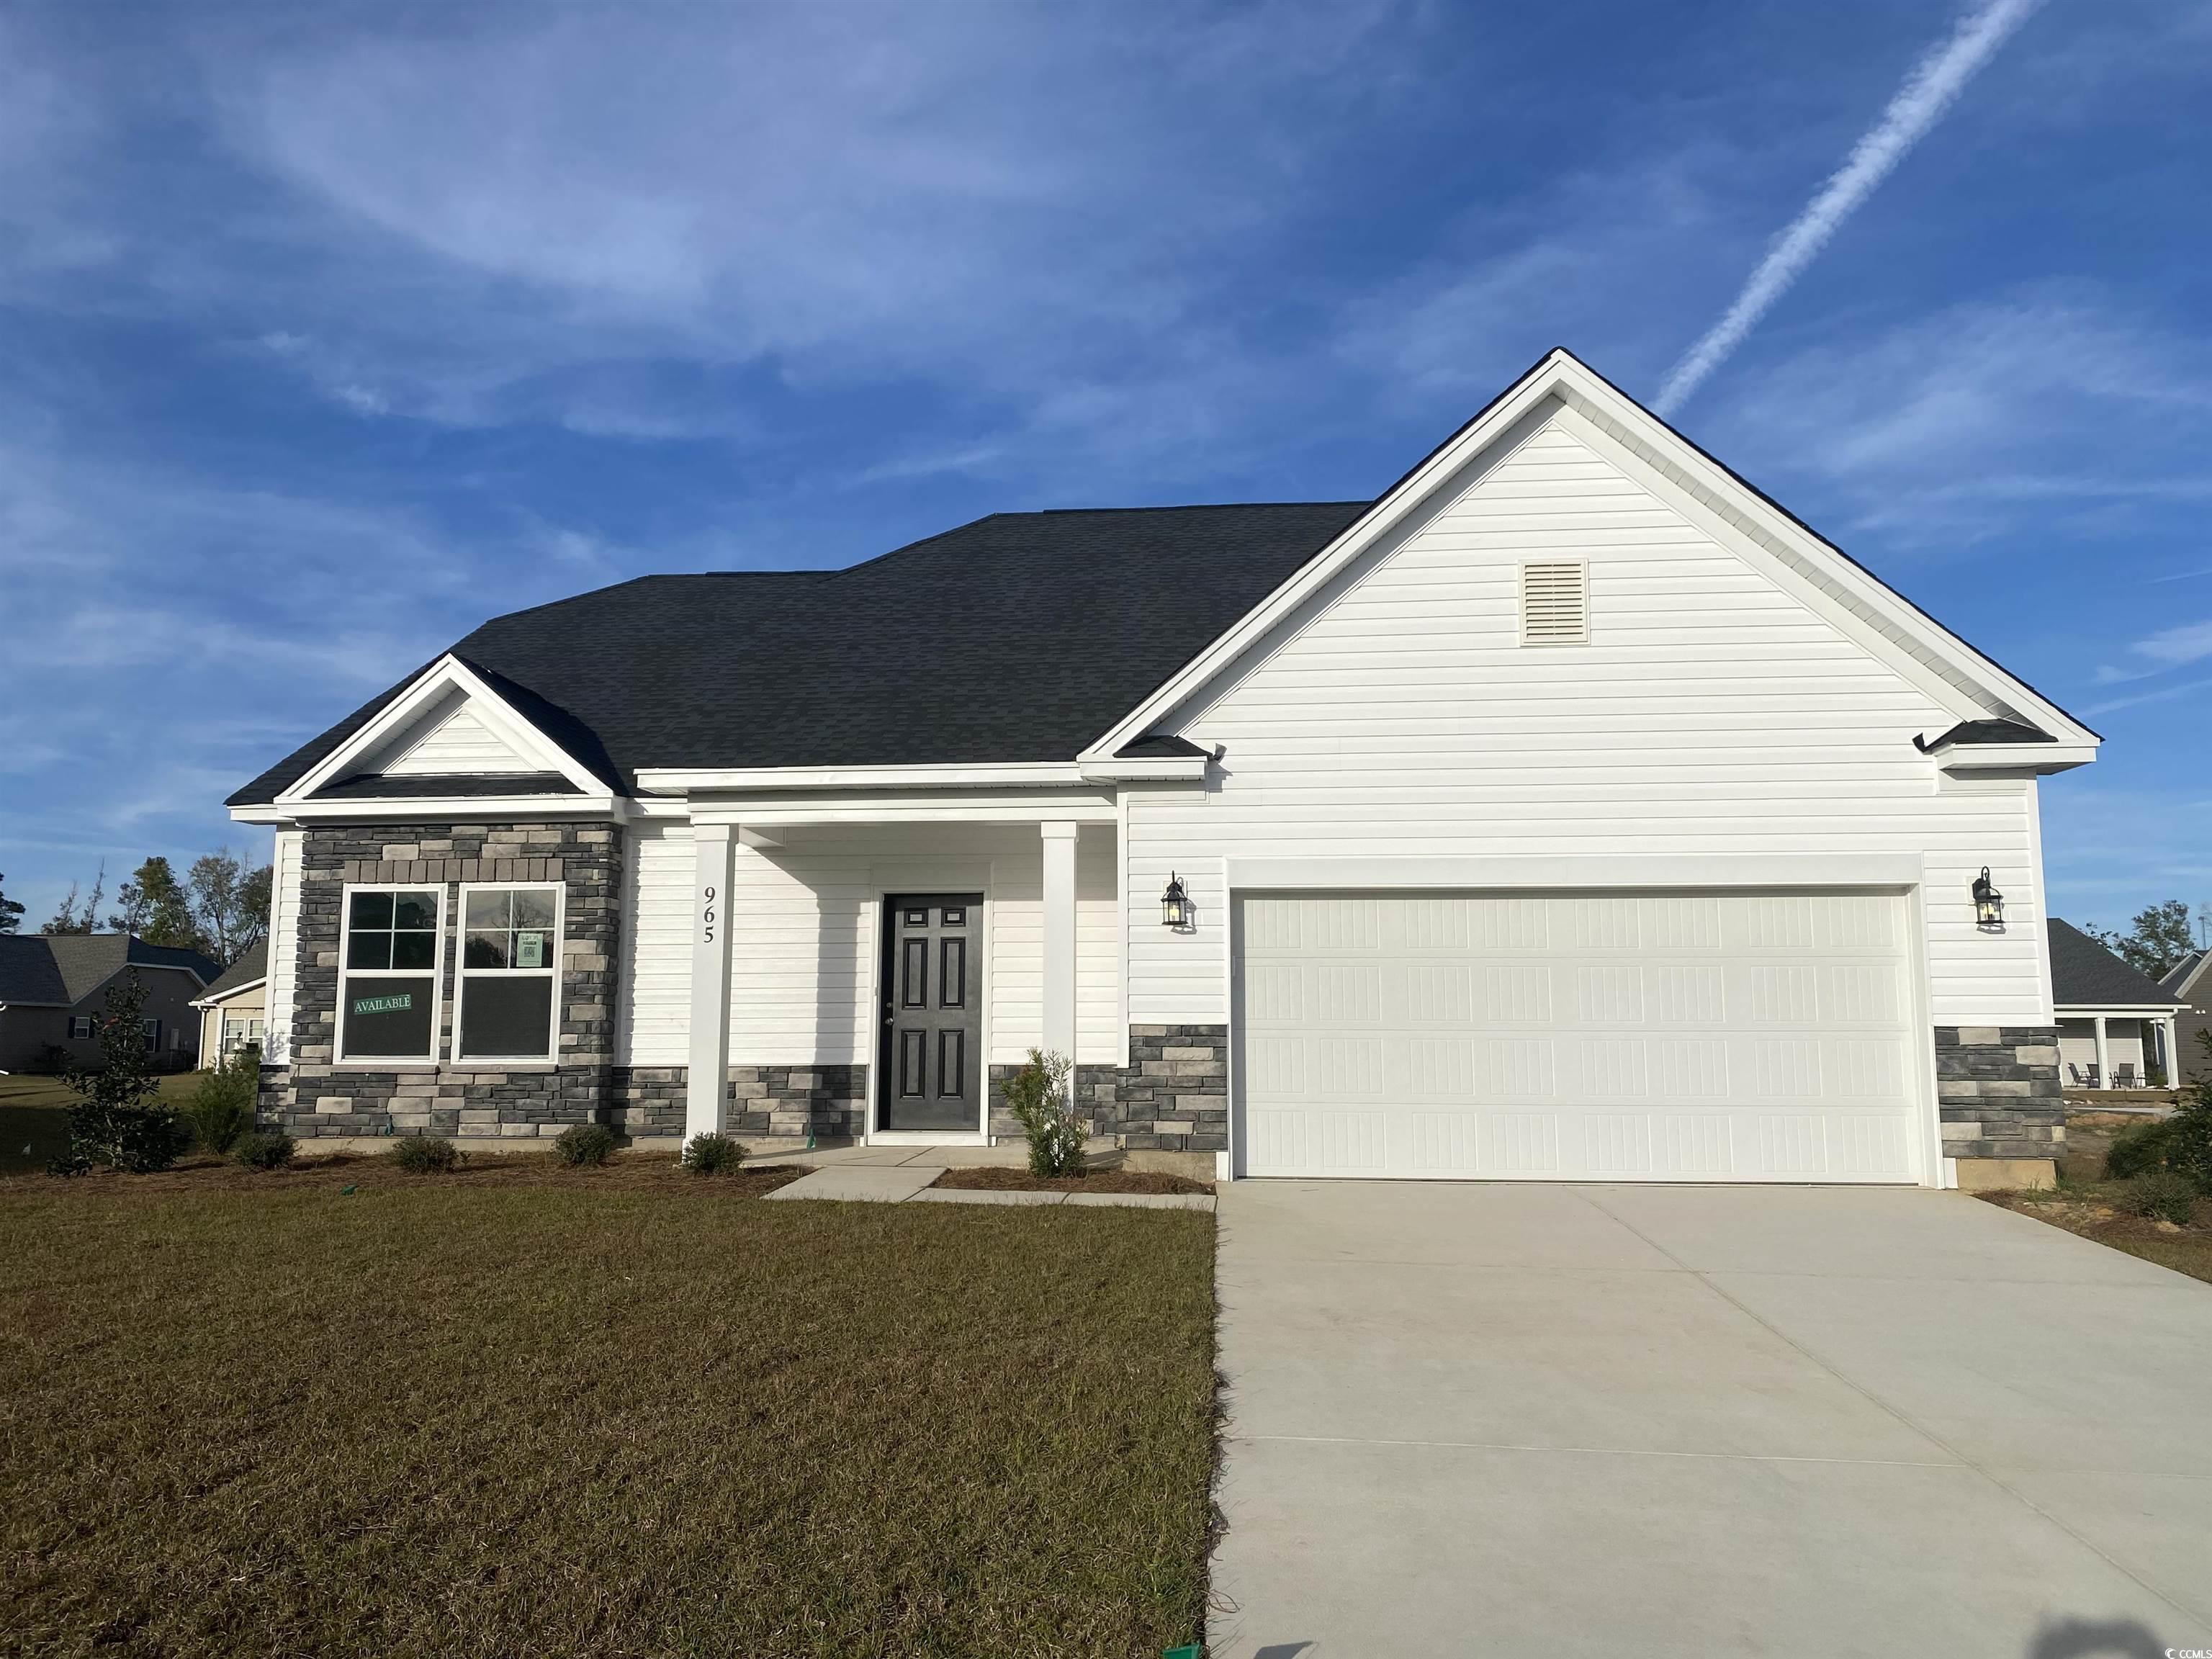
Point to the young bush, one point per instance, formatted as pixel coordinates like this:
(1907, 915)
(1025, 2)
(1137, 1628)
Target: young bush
(1037, 1096)
(118, 1120)
(2166, 1194)
(257, 1150)
(221, 1107)
(712, 1154)
(425, 1154)
(587, 1146)
(2138, 1149)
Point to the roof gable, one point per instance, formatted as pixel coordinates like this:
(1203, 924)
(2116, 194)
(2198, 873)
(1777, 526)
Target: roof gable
(248, 971)
(2084, 974)
(63, 969)
(1560, 389)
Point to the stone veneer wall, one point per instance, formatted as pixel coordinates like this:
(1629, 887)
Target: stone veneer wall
(316, 1096)
(1997, 1092)
(758, 1100)
(1173, 1096)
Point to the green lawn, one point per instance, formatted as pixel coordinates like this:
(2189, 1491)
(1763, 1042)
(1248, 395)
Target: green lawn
(634, 1413)
(32, 1127)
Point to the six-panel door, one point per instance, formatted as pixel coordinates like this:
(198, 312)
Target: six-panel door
(930, 1051)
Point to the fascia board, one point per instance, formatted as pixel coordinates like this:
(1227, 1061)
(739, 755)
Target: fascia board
(2125, 1009)
(1183, 769)
(955, 775)
(2042, 758)
(465, 808)
(234, 992)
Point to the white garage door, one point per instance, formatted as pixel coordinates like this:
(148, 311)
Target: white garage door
(1603, 1036)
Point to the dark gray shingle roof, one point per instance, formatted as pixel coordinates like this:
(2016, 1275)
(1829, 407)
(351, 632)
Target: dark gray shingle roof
(2084, 974)
(1022, 637)
(64, 968)
(254, 965)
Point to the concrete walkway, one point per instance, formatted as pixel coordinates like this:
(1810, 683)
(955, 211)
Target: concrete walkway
(1606, 1420)
(900, 1183)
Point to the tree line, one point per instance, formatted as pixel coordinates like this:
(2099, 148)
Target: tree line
(220, 907)
(2158, 937)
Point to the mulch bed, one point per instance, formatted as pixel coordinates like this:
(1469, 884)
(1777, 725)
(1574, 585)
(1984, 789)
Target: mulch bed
(1002, 1178)
(625, 1171)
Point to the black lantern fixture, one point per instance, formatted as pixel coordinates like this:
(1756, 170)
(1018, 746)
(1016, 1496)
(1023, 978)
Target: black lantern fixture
(1174, 903)
(1989, 903)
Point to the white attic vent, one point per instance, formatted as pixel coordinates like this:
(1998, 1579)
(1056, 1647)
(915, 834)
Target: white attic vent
(1555, 602)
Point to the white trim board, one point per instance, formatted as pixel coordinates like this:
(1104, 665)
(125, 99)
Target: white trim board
(1779, 870)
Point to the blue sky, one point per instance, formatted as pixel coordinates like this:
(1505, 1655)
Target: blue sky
(328, 331)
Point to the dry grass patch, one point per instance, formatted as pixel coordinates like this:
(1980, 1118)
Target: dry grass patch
(523, 1411)
(2087, 1203)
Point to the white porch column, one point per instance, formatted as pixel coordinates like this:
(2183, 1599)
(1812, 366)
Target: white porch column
(2172, 1025)
(2104, 1057)
(1059, 1032)
(710, 979)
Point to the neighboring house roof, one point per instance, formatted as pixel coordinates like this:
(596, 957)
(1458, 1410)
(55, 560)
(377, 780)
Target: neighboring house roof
(28, 973)
(248, 971)
(61, 970)
(2085, 975)
(1021, 637)
(2180, 978)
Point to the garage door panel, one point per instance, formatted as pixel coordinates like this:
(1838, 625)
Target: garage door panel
(1605, 1035)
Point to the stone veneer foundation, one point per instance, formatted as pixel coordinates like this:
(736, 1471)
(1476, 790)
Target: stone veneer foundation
(1173, 1096)
(314, 1095)
(759, 1100)
(2001, 1107)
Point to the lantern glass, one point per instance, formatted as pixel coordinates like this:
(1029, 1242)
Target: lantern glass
(1989, 903)
(1174, 904)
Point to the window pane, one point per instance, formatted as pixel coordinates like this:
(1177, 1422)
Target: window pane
(414, 951)
(510, 1017)
(388, 1017)
(369, 950)
(488, 910)
(534, 909)
(414, 910)
(372, 910)
(485, 950)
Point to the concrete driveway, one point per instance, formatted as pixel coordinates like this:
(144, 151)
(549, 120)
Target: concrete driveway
(1474, 1419)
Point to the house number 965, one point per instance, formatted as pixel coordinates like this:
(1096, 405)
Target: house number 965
(707, 916)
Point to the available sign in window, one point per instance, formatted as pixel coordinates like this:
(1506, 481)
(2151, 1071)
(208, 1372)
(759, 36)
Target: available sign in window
(510, 962)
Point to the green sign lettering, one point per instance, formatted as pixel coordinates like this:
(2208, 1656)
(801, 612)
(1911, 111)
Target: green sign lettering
(398, 1003)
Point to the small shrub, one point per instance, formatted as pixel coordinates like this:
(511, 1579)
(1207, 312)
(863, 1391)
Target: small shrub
(221, 1107)
(585, 1146)
(1037, 1096)
(257, 1150)
(2138, 1149)
(2165, 1195)
(426, 1155)
(712, 1154)
(118, 1118)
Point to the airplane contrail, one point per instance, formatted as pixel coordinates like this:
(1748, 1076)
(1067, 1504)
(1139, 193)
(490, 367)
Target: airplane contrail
(1931, 89)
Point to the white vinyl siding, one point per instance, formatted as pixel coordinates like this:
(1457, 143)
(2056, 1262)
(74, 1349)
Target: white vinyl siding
(284, 942)
(460, 744)
(1579, 1035)
(1711, 713)
(802, 922)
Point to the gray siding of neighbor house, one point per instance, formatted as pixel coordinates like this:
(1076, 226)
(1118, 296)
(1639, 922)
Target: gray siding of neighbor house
(314, 1095)
(28, 1035)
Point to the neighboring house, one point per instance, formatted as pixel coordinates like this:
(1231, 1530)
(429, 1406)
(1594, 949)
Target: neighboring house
(2114, 1022)
(53, 985)
(2189, 981)
(1570, 811)
(234, 1011)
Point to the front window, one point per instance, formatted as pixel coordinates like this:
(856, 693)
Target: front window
(80, 1028)
(510, 973)
(388, 982)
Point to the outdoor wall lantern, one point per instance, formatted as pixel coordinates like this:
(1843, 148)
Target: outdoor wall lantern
(1989, 903)
(1174, 903)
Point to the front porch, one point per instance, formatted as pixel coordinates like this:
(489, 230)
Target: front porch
(2115, 1048)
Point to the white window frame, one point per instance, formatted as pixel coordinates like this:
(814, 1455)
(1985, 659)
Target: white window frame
(91, 1027)
(436, 974)
(243, 1031)
(555, 971)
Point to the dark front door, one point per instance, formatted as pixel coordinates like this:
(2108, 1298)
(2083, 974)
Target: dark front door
(931, 1054)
